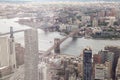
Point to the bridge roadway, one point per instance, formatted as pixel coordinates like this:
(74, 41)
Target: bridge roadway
(62, 40)
(3, 34)
(52, 47)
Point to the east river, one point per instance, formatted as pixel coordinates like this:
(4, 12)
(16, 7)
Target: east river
(46, 40)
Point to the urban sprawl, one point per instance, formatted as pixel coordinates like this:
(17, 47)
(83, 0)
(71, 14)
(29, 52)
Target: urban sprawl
(97, 20)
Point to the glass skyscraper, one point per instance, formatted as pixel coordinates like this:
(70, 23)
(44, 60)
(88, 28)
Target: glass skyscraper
(87, 64)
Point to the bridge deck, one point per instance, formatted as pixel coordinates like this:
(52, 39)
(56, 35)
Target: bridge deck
(62, 40)
(52, 47)
(3, 34)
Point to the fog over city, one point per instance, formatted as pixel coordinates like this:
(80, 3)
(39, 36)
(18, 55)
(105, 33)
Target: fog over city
(66, 0)
(59, 39)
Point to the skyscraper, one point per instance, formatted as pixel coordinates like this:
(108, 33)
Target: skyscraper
(96, 59)
(87, 64)
(95, 22)
(7, 53)
(31, 54)
(118, 70)
(106, 55)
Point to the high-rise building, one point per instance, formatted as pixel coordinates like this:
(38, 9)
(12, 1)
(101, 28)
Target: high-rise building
(85, 19)
(101, 13)
(87, 64)
(95, 22)
(20, 51)
(106, 56)
(7, 54)
(80, 68)
(116, 51)
(108, 71)
(99, 72)
(43, 75)
(96, 58)
(118, 70)
(31, 55)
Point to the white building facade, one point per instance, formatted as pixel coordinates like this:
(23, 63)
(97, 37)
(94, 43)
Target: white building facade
(7, 52)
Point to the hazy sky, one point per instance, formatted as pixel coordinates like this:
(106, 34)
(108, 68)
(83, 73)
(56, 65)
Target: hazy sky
(64, 0)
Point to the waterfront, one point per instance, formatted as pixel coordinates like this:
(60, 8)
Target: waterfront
(46, 40)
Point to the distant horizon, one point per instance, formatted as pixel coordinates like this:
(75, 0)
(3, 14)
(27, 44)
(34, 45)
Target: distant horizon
(59, 1)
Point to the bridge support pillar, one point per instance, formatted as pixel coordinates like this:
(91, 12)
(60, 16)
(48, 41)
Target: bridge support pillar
(57, 43)
(75, 36)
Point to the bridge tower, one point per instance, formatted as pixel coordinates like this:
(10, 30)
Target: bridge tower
(57, 45)
(75, 36)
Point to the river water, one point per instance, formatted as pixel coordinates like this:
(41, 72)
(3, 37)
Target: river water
(46, 40)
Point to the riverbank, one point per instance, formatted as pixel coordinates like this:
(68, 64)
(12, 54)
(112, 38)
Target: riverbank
(106, 38)
(46, 40)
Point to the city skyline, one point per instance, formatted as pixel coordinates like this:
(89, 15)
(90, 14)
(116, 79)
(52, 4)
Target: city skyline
(59, 40)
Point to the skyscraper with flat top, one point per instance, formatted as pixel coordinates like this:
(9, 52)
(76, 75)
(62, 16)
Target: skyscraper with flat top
(87, 64)
(7, 53)
(31, 55)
